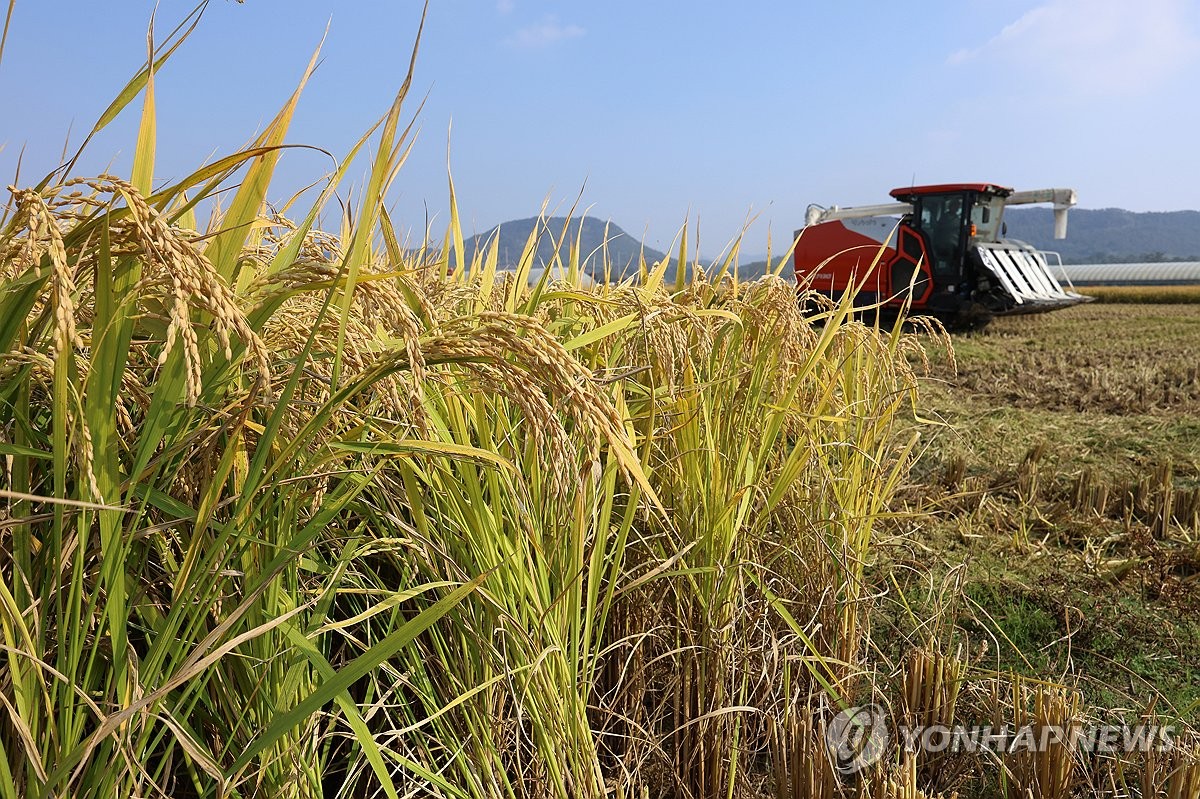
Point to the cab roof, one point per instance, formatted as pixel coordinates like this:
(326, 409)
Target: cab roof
(907, 193)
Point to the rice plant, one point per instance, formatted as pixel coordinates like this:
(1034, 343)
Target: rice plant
(296, 512)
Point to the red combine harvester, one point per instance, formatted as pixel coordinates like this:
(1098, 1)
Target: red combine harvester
(945, 251)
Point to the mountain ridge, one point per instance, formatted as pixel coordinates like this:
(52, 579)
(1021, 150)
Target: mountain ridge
(1110, 235)
(594, 236)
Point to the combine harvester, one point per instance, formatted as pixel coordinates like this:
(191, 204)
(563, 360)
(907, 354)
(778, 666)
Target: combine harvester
(944, 257)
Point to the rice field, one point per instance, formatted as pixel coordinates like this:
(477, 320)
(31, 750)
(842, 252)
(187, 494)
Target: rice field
(294, 512)
(288, 511)
(1187, 294)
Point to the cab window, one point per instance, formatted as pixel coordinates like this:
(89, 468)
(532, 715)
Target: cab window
(943, 221)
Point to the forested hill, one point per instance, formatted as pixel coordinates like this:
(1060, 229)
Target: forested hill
(1110, 235)
(623, 250)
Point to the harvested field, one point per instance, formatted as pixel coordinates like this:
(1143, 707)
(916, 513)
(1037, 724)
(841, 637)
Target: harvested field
(1063, 495)
(1094, 359)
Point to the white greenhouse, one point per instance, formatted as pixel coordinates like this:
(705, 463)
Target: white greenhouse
(1179, 273)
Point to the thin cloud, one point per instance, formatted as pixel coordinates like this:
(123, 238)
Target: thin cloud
(1094, 45)
(549, 31)
(505, 6)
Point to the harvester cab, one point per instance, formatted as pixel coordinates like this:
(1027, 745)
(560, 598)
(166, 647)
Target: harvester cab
(939, 249)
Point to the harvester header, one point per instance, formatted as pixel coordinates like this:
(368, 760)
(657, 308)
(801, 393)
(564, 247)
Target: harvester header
(942, 253)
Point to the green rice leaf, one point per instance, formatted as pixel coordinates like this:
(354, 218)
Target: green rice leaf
(332, 687)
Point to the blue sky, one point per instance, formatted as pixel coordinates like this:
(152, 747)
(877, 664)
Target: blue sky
(659, 112)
